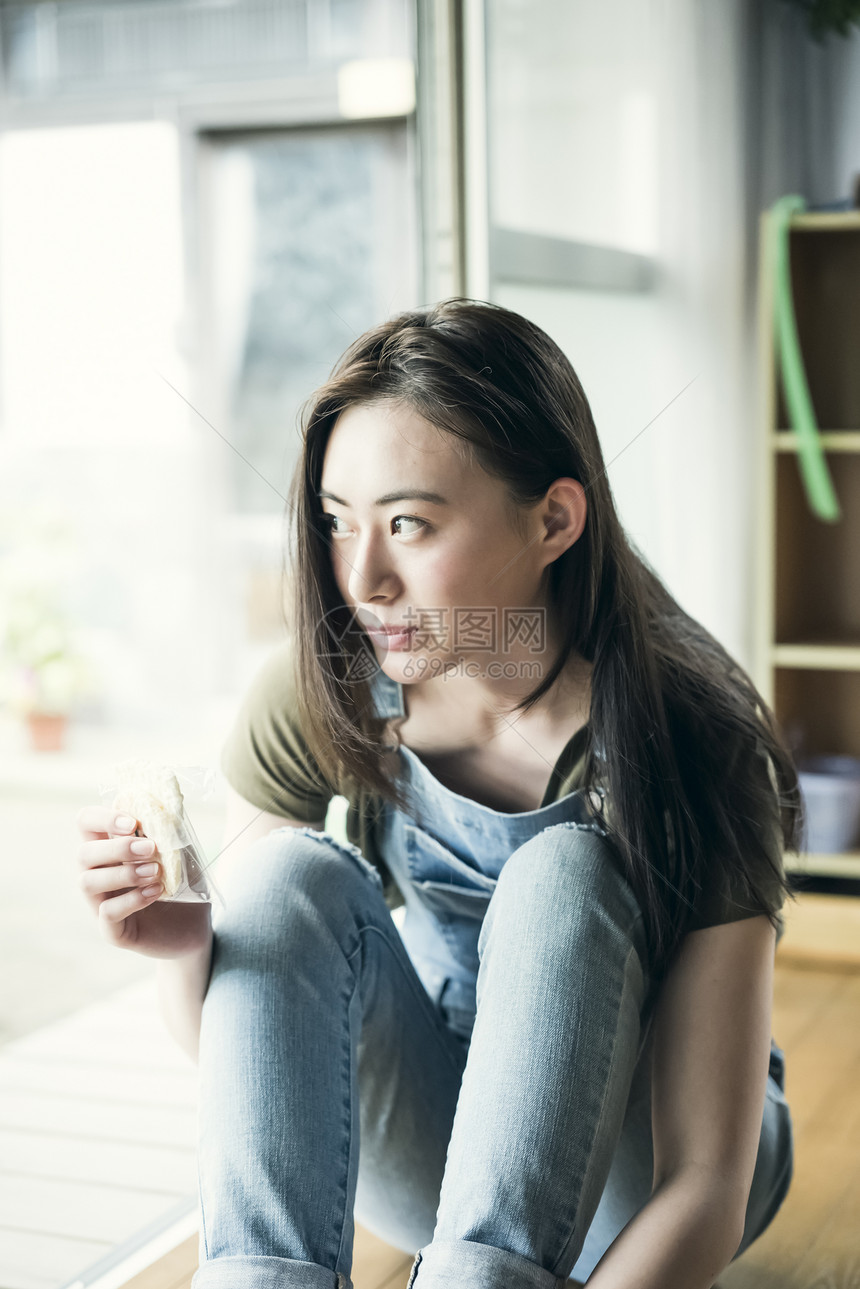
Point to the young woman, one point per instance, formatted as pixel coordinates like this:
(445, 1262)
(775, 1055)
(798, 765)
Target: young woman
(560, 1064)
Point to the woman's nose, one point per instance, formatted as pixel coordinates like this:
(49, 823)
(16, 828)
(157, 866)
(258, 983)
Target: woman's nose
(371, 573)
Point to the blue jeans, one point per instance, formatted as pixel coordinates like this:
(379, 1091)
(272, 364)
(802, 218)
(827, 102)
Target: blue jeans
(332, 1088)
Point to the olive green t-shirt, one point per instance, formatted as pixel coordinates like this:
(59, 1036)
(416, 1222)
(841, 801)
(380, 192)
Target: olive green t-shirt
(267, 761)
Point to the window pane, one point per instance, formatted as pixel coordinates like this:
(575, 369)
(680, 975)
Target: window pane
(320, 230)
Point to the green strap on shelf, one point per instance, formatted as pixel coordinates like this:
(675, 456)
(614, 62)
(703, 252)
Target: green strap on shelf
(813, 465)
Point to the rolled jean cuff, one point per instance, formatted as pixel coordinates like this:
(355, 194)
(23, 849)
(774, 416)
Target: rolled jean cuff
(470, 1265)
(257, 1272)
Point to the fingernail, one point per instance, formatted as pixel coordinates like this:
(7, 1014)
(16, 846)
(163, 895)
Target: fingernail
(142, 847)
(125, 823)
(146, 870)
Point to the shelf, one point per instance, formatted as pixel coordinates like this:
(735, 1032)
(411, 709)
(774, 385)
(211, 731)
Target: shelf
(844, 865)
(825, 271)
(831, 440)
(817, 576)
(825, 221)
(808, 632)
(819, 710)
(817, 656)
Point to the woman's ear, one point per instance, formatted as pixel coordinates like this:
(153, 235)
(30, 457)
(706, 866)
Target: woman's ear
(563, 515)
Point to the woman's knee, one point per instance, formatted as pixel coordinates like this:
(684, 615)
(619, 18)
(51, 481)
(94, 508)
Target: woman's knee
(291, 873)
(567, 861)
(571, 875)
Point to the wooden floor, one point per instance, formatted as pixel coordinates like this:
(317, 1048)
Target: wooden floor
(814, 1241)
(97, 1142)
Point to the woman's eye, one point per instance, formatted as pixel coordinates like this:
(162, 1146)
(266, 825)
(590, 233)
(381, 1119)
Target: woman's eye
(408, 519)
(332, 524)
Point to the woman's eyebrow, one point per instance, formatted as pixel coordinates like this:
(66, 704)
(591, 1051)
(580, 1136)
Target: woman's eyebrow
(412, 494)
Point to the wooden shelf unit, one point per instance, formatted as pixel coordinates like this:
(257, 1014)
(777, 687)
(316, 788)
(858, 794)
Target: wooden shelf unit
(808, 603)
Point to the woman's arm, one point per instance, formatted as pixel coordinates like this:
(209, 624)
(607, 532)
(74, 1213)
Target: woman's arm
(709, 1075)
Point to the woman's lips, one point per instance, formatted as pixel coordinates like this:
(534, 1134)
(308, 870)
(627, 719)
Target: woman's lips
(396, 638)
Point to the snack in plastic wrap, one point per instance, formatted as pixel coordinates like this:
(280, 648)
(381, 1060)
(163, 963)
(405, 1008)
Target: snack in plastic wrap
(151, 794)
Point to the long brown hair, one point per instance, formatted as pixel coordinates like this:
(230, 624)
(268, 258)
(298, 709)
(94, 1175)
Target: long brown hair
(677, 729)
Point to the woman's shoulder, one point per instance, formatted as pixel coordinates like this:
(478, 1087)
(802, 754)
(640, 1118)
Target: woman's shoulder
(265, 756)
(739, 865)
(754, 881)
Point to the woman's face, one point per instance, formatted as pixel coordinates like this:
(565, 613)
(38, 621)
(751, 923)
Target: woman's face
(423, 541)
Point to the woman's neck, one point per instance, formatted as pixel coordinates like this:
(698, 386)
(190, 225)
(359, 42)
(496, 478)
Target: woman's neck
(455, 701)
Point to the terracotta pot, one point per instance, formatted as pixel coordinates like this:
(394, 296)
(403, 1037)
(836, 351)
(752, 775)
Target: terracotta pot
(47, 731)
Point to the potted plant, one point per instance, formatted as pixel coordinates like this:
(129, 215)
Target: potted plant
(43, 674)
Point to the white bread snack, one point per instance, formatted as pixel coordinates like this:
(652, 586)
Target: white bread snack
(150, 793)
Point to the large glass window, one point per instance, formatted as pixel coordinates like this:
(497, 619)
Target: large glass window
(312, 241)
(202, 202)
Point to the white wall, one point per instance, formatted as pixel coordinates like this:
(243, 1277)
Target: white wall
(663, 126)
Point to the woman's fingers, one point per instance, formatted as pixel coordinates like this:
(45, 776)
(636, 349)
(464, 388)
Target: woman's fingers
(114, 913)
(116, 892)
(97, 822)
(119, 877)
(114, 850)
(114, 909)
(119, 872)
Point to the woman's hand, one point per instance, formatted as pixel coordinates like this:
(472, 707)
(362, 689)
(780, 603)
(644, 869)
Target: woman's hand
(125, 899)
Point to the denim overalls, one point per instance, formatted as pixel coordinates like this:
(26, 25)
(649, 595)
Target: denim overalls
(492, 1112)
(446, 855)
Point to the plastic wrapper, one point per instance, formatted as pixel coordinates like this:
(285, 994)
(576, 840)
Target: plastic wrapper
(152, 794)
